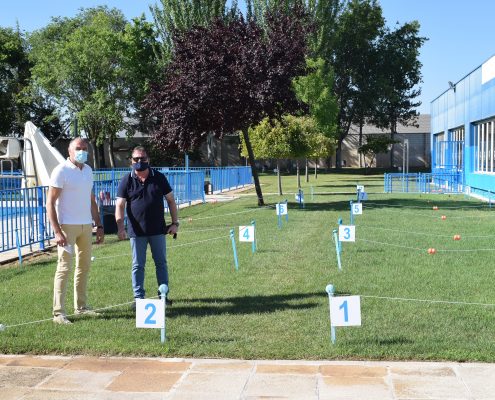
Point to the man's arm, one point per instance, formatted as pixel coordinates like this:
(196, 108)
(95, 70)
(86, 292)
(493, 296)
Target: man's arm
(173, 213)
(51, 199)
(119, 217)
(96, 217)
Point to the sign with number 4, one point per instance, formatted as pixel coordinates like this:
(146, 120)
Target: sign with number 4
(347, 233)
(246, 233)
(150, 313)
(357, 208)
(345, 311)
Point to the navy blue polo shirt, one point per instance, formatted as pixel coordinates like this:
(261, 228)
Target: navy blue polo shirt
(145, 209)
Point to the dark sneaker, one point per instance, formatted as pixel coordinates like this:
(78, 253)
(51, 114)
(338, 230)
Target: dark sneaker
(168, 302)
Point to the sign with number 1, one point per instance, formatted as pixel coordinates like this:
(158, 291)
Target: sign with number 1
(150, 313)
(347, 233)
(345, 311)
(246, 233)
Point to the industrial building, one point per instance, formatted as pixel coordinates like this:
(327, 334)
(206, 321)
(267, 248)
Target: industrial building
(462, 131)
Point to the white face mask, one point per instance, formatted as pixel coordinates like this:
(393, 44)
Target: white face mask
(81, 156)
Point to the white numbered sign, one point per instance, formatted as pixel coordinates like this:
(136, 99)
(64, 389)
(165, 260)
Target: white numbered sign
(347, 233)
(281, 209)
(357, 208)
(150, 313)
(345, 311)
(360, 188)
(246, 233)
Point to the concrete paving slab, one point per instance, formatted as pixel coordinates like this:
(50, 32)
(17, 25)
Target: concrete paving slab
(12, 393)
(23, 376)
(287, 369)
(353, 387)
(39, 361)
(99, 364)
(427, 387)
(353, 371)
(480, 380)
(218, 367)
(220, 384)
(285, 386)
(144, 381)
(81, 380)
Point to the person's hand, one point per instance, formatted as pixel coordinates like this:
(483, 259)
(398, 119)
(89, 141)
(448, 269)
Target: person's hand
(121, 234)
(60, 239)
(172, 229)
(100, 235)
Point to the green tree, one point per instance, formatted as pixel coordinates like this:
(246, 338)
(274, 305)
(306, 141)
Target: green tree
(320, 146)
(375, 144)
(173, 16)
(358, 29)
(399, 76)
(78, 62)
(18, 103)
(281, 138)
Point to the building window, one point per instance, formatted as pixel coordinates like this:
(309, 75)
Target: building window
(457, 148)
(439, 144)
(484, 147)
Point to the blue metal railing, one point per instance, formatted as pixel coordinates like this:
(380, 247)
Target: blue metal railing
(23, 217)
(11, 180)
(229, 178)
(437, 182)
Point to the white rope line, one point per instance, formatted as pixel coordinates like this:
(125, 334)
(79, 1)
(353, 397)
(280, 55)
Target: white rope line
(390, 244)
(422, 249)
(423, 233)
(169, 247)
(428, 207)
(223, 215)
(199, 241)
(204, 230)
(433, 216)
(70, 315)
(430, 301)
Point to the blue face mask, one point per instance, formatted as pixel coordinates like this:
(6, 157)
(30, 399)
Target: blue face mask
(140, 166)
(81, 156)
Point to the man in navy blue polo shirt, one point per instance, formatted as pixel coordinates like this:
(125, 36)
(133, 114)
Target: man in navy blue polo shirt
(143, 190)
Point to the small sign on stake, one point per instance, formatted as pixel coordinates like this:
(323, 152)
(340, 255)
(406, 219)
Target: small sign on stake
(345, 311)
(281, 208)
(150, 313)
(246, 233)
(347, 233)
(357, 208)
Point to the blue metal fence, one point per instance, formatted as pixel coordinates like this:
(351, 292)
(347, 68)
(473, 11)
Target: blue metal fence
(445, 182)
(23, 218)
(11, 180)
(229, 178)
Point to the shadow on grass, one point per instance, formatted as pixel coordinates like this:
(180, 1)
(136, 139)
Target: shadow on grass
(201, 307)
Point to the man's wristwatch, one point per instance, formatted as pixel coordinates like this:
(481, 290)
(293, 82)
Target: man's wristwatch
(99, 227)
(175, 223)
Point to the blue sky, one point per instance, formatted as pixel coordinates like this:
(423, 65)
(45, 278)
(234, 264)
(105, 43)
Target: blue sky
(458, 30)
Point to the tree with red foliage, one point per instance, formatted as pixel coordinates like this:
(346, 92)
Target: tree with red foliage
(225, 77)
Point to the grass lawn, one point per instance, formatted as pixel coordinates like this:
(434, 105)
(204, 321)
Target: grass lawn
(275, 306)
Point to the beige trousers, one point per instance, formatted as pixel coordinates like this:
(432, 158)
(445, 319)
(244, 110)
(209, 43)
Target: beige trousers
(79, 238)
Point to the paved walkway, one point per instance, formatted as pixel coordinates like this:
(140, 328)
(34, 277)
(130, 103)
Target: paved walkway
(109, 378)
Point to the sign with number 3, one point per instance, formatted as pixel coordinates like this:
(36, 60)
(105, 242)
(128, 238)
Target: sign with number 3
(347, 233)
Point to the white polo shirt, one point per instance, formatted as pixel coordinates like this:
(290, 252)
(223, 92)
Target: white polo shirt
(74, 203)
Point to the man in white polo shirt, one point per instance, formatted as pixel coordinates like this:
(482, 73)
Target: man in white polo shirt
(71, 208)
